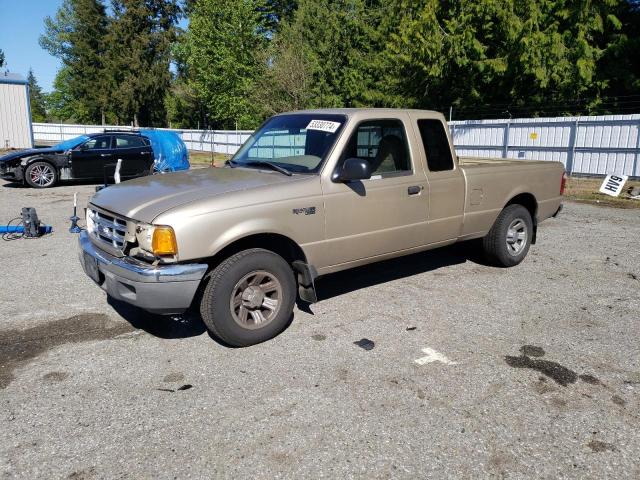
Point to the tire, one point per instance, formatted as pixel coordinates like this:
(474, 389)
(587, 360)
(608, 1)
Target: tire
(508, 241)
(41, 175)
(249, 297)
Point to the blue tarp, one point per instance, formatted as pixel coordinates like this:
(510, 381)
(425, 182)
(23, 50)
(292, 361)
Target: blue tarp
(72, 143)
(169, 151)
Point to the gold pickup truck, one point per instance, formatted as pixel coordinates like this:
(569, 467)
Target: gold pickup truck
(308, 194)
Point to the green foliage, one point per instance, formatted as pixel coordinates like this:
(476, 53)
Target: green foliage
(239, 62)
(139, 45)
(77, 35)
(37, 99)
(539, 55)
(61, 104)
(221, 49)
(332, 63)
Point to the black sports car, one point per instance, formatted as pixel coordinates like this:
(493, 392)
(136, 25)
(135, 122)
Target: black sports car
(85, 157)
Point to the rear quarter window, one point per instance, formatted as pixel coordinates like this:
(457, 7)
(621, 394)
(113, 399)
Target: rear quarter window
(436, 145)
(128, 141)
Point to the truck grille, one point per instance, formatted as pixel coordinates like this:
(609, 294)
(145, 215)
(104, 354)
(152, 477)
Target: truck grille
(108, 229)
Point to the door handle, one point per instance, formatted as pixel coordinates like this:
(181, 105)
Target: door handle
(105, 154)
(414, 189)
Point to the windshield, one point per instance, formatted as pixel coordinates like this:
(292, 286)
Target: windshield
(299, 143)
(71, 143)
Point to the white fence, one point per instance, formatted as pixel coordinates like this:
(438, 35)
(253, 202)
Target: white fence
(220, 141)
(586, 145)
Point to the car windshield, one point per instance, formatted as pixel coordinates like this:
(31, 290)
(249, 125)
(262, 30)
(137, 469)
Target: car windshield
(71, 143)
(298, 143)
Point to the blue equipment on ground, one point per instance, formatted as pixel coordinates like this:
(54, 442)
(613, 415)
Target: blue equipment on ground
(42, 229)
(29, 226)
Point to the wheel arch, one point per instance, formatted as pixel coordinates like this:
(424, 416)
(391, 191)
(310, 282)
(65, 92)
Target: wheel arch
(284, 246)
(40, 159)
(528, 201)
(281, 245)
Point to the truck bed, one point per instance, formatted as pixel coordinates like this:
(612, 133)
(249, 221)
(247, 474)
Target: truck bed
(489, 181)
(489, 161)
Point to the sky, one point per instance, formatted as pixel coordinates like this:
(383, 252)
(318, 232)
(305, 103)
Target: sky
(21, 23)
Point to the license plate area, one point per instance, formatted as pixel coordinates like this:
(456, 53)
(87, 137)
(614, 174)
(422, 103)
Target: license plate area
(91, 268)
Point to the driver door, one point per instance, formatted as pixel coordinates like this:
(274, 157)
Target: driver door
(89, 159)
(386, 213)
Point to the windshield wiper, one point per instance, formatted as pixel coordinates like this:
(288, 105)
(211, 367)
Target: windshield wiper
(257, 163)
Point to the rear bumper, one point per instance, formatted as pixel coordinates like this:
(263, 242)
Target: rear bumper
(163, 289)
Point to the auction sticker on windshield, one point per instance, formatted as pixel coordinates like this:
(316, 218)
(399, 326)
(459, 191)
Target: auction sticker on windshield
(323, 126)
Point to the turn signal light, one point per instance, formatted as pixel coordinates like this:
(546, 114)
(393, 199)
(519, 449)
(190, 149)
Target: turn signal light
(164, 241)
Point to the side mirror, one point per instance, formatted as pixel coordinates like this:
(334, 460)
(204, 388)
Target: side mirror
(353, 169)
(83, 147)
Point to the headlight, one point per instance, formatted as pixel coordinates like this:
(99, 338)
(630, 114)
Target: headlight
(91, 226)
(157, 239)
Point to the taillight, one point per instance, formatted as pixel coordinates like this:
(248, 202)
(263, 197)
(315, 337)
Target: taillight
(563, 183)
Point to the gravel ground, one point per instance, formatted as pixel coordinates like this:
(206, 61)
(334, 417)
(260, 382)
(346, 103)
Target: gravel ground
(537, 372)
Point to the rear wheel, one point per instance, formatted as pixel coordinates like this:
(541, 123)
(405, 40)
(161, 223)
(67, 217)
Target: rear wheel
(249, 297)
(508, 241)
(41, 175)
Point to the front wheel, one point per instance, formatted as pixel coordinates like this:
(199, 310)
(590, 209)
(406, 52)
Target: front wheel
(508, 241)
(249, 297)
(41, 175)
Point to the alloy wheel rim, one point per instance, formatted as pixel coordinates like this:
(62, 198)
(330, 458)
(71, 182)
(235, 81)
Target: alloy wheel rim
(516, 237)
(41, 175)
(256, 299)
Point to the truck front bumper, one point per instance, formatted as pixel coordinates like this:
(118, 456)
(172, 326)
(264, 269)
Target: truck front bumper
(164, 289)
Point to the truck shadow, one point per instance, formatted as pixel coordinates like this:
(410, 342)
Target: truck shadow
(190, 324)
(337, 284)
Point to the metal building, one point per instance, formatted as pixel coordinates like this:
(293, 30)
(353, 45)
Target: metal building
(16, 130)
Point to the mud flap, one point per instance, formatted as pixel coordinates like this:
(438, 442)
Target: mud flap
(306, 275)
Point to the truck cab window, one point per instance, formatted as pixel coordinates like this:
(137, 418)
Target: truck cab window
(436, 145)
(383, 143)
(298, 142)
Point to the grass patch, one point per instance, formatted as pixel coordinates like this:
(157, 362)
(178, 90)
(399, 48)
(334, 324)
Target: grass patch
(585, 190)
(204, 158)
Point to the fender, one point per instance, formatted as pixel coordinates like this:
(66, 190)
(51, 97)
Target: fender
(248, 228)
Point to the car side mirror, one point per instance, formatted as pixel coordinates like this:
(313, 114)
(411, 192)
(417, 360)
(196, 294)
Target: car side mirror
(84, 147)
(353, 169)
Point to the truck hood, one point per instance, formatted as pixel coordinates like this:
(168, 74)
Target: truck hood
(145, 198)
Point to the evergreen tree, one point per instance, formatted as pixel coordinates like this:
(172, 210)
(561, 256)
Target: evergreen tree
(77, 36)
(221, 47)
(138, 56)
(2, 59)
(61, 102)
(498, 57)
(330, 63)
(184, 107)
(37, 99)
(618, 73)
